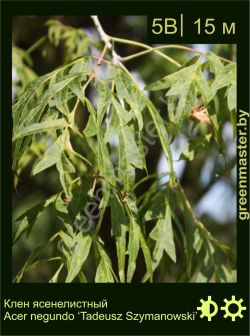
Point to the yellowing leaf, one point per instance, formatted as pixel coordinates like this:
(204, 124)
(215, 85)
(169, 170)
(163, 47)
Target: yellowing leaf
(200, 115)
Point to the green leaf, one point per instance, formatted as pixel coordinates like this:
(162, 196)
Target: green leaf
(155, 207)
(80, 191)
(173, 128)
(91, 128)
(129, 153)
(60, 205)
(129, 157)
(190, 225)
(76, 88)
(184, 77)
(131, 149)
(207, 269)
(51, 157)
(231, 97)
(22, 144)
(53, 89)
(194, 147)
(29, 217)
(22, 62)
(82, 66)
(34, 115)
(75, 41)
(225, 78)
(112, 127)
(162, 233)
(202, 85)
(224, 275)
(54, 279)
(66, 164)
(104, 269)
(163, 136)
(105, 165)
(40, 127)
(119, 230)
(139, 142)
(82, 278)
(53, 154)
(185, 90)
(126, 171)
(215, 63)
(68, 240)
(79, 255)
(124, 116)
(65, 168)
(219, 82)
(147, 257)
(104, 201)
(231, 72)
(131, 201)
(118, 217)
(133, 247)
(31, 262)
(21, 108)
(37, 94)
(34, 254)
(58, 87)
(121, 252)
(104, 101)
(198, 240)
(128, 91)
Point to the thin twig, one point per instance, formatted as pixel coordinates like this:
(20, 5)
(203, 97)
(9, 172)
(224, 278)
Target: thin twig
(148, 177)
(36, 44)
(116, 58)
(169, 46)
(147, 47)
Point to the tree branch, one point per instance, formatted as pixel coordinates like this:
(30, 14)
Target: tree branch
(105, 38)
(170, 46)
(116, 58)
